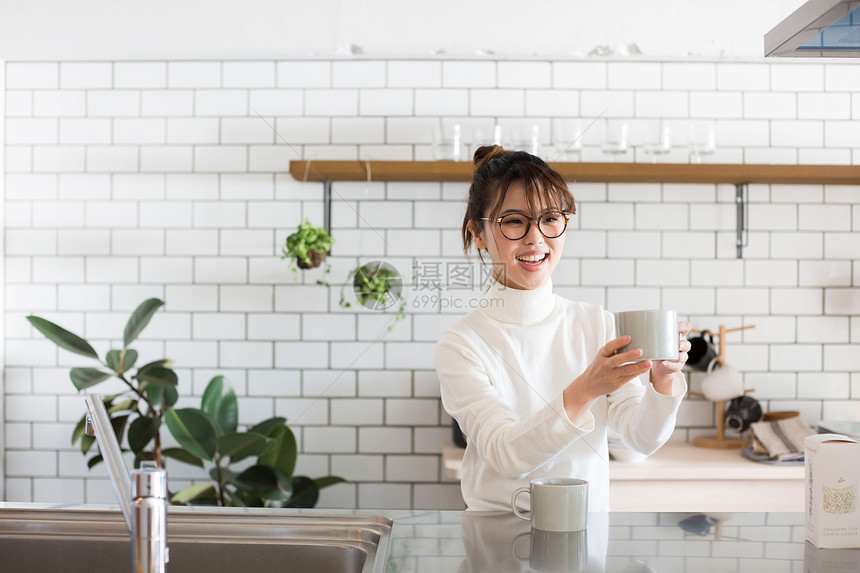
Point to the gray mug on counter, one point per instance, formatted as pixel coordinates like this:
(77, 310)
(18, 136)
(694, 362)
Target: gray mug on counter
(654, 331)
(557, 504)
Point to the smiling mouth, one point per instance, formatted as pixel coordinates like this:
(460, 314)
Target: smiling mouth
(532, 259)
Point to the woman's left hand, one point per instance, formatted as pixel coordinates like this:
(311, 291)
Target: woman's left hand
(663, 371)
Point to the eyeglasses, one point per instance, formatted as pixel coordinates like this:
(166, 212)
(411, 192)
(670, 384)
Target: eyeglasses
(515, 226)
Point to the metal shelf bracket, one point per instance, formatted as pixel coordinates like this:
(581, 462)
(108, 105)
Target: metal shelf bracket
(741, 205)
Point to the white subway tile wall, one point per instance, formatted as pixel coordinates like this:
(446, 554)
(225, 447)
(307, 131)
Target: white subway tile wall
(126, 180)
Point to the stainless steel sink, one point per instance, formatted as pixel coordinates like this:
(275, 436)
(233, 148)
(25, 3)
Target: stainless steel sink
(200, 540)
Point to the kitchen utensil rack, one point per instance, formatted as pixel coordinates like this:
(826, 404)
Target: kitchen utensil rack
(720, 441)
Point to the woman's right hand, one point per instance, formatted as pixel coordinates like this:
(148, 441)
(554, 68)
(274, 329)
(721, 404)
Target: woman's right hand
(606, 373)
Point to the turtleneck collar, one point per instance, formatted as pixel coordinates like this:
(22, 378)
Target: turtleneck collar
(519, 306)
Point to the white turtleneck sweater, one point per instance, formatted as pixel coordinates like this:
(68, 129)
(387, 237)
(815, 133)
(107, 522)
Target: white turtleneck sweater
(502, 369)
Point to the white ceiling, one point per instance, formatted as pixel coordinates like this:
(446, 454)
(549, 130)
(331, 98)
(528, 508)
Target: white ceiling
(248, 29)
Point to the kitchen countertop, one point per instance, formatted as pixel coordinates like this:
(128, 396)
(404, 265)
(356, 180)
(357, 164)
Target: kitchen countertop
(472, 542)
(616, 542)
(680, 475)
(675, 460)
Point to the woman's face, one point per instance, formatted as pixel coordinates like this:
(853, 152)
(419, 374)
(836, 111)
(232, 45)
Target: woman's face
(526, 263)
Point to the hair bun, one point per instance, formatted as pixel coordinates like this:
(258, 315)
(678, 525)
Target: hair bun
(487, 153)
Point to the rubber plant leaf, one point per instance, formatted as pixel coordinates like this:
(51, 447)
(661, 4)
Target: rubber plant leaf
(195, 493)
(158, 375)
(80, 429)
(212, 396)
(193, 430)
(141, 431)
(240, 445)
(139, 319)
(282, 453)
(306, 493)
(266, 426)
(328, 480)
(84, 378)
(121, 361)
(219, 401)
(181, 455)
(262, 481)
(62, 337)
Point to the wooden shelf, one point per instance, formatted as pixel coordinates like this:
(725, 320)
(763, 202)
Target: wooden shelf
(585, 172)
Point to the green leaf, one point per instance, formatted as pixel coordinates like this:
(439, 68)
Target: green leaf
(113, 359)
(328, 480)
(249, 500)
(139, 319)
(163, 362)
(193, 430)
(212, 397)
(93, 461)
(234, 500)
(266, 426)
(62, 337)
(263, 481)
(118, 423)
(153, 392)
(128, 405)
(228, 411)
(306, 493)
(156, 393)
(241, 445)
(87, 442)
(158, 375)
(84, 378)
(141, 431)
(121, 360)
(181, 455)
(80, 429)
(282, 453)
(171, 395)
(195, 492)
(219, 401)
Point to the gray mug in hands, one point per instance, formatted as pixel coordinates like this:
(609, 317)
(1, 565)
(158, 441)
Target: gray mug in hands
(654, 331)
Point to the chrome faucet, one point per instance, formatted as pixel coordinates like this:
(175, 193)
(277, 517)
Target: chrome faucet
(143, 499)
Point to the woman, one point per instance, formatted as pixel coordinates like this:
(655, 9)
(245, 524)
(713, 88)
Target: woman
(533, 379)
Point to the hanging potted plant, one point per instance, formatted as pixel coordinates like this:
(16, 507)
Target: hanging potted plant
(377, 286)
(307, 246)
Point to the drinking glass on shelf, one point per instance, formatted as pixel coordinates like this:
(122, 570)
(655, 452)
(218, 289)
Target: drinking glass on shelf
(702, 140)
(659, 141)
(530, 143)
(567, 140)
(452, 147)
(615, 142)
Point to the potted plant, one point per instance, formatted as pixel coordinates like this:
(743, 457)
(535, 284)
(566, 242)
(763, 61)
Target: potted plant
(207, 434)
(308, 246)
(210, 434)
(377, 286)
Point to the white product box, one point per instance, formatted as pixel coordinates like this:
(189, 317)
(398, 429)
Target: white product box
(817, 560)
(832, 471)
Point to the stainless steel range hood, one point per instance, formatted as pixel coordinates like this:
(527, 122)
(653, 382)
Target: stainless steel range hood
(818, 29)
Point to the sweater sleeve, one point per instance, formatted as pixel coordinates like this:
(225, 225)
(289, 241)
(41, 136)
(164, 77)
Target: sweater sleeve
(643, 417)
(513, 447)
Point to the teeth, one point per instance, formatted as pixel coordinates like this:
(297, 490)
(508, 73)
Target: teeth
(533, 258)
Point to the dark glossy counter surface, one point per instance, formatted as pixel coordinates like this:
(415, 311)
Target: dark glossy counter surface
(466, 542)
